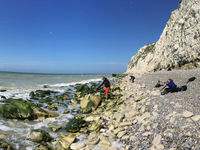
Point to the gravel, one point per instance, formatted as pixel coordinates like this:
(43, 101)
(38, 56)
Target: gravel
(185, 133)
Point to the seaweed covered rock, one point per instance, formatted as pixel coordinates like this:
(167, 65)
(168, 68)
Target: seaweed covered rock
(41, 93)
(39, 136)
(46, 100)
(21, 109)
(84, 89)
(62, 97)
(17, 109)
(75, 125)
(89, 103)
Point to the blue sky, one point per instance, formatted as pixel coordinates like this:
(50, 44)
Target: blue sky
(77, 36)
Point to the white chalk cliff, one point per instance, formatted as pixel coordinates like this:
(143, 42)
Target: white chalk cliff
(178, 46)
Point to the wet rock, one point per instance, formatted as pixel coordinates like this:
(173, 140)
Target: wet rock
(89, 103)
(41, 94)
(65, 141)
(17, 109)
(62, 97)
(94, 127)
(46, 86)
(5, 146)
(3, 90)
(3, 137)
(75, 102)
(75, 125)
(40, 113)
(53, 107)
(55, 128)
(3, 97)
(46, 100)
(39, 136)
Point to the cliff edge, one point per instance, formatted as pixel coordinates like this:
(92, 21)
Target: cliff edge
(178, 46)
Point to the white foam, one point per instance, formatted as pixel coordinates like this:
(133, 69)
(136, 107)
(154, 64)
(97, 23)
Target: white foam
(74, 83)
(5, 128)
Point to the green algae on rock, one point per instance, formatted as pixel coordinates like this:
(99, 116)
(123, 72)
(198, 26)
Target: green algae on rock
(21, 109)
(75, 125)
(41, 93)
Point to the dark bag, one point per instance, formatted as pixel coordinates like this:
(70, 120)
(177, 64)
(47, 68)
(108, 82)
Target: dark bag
(191, 79)
(183, 88)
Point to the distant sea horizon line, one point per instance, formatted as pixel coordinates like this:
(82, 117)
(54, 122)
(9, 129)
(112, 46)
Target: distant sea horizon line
(43, 73)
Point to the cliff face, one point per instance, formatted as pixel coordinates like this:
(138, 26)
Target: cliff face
(178, 46)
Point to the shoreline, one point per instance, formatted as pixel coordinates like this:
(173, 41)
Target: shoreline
(137, 117)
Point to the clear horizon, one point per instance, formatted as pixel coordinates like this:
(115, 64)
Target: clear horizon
(77, 36)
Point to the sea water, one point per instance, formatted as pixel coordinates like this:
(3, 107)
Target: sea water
(19, 85)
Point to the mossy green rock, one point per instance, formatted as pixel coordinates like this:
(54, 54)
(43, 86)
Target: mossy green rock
(62, 97)
(39, 136)
(84, 89)
(75, 125)
(17, 109)
(21, 109)
(40, 94)
(46, 100)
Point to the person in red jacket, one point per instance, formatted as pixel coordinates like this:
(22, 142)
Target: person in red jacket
(106, 83)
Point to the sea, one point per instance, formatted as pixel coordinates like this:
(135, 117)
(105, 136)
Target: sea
(19, 85)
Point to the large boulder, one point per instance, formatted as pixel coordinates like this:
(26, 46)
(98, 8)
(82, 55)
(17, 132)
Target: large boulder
(89, 103)
(17, 109)
(21, 109)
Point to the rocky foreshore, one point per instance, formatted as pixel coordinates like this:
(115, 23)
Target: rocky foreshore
(136, 116)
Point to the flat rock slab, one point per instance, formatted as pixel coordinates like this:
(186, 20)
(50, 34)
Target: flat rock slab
(196, 118)
(187, 114)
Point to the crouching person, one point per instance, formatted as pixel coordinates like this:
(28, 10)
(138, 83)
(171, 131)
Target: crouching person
(171, 87)
(106, 83)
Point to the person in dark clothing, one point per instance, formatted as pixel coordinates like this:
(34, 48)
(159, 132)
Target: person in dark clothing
(171, 87)
(106, 83)
(132, 79)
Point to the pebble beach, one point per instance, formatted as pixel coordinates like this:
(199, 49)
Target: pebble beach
(148, 120)
(136, 117)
